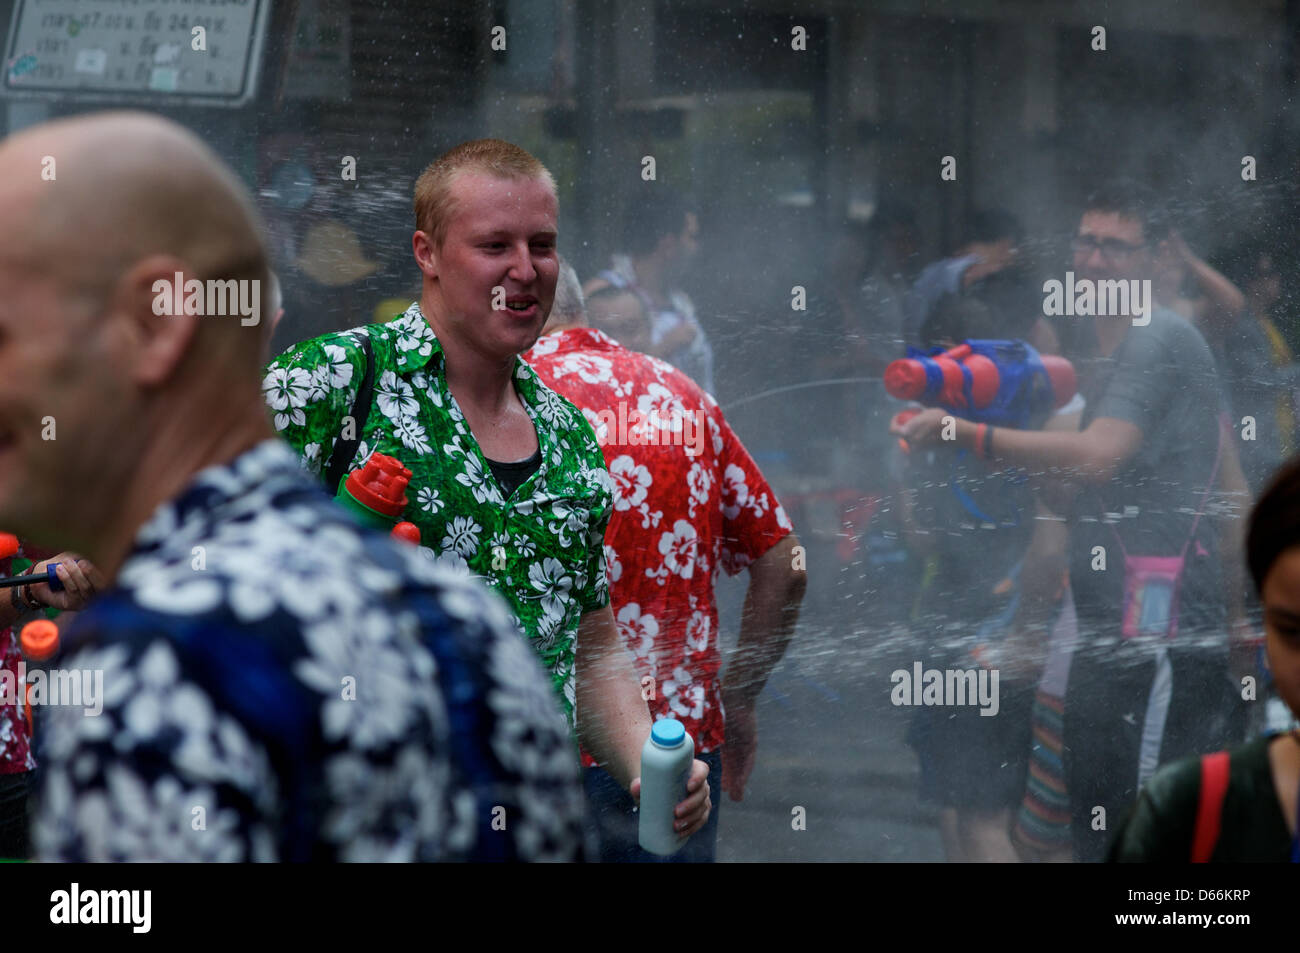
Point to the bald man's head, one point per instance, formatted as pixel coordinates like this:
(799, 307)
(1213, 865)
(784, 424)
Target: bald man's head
(100, 211)
(125, 186)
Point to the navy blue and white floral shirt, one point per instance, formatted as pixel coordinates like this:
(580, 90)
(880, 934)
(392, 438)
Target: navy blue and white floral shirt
(279, 684)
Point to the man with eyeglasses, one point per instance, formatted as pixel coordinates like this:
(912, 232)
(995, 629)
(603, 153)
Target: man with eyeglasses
(1131, 482)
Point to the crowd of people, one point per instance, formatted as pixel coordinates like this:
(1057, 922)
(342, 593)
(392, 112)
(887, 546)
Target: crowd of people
(1094, 559)
(281, 683)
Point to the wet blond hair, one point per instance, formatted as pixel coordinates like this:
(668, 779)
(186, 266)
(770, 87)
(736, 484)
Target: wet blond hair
(433, 199)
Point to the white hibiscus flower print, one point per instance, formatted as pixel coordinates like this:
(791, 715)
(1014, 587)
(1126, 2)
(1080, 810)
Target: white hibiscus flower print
(661, 408)
(697, 632)
(735, 492)
(395, 397)
(639, 630)
(152, 820)
(550, 579)
(631, 482)
(340, 368)
(684, 697)
(286, 389)
(715, 433)
(569, 519)
(679, 549)
(699, 481)
(320, 384)
(363, 647)
(591, 368)
(545, 345)
(410, 338)
(278, 574)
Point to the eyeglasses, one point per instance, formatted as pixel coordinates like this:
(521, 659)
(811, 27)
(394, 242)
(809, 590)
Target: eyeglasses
(1111, 248)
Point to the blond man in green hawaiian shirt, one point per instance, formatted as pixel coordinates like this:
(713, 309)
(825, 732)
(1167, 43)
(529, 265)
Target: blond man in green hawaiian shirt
(453, 401)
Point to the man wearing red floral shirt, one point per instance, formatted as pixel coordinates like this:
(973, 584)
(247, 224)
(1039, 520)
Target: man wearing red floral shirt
(688, 501)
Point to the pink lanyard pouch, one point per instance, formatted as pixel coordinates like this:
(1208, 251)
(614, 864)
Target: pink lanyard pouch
(1152, 583)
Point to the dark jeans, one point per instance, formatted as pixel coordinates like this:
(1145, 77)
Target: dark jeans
(15, 790)
(612, 820)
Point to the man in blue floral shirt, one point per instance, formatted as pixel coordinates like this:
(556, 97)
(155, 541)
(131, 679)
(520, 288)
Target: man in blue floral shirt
(277, 683)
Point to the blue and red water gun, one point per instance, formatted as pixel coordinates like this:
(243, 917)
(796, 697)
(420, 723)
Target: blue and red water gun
(1004, 383)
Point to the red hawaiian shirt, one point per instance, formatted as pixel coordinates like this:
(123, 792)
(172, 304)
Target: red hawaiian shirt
(688, 501)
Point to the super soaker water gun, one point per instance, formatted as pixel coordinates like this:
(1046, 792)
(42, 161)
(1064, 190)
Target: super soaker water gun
(1004, 383)
(376, 495)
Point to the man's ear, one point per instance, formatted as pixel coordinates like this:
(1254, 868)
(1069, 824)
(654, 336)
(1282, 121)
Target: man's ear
(151, 300)
(426, 254)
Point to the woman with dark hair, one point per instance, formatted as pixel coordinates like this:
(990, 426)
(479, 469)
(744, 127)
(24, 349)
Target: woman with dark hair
(1239, 805)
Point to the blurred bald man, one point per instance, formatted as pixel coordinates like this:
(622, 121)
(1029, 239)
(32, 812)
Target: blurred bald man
(277, 683)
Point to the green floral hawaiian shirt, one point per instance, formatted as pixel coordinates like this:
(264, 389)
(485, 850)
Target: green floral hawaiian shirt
(542, 549)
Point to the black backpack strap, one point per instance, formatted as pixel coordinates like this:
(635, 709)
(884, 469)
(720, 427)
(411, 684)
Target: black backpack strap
(345, 450)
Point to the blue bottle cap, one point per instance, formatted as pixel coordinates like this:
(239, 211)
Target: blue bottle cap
(668, 732)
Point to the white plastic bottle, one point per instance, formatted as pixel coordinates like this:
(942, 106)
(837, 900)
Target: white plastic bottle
(665, 768)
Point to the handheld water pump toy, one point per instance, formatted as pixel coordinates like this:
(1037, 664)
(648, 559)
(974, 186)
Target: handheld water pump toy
(1004, 383)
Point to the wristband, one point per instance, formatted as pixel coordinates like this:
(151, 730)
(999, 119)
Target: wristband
(32, 603)
(988, 442)
(980, 431)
